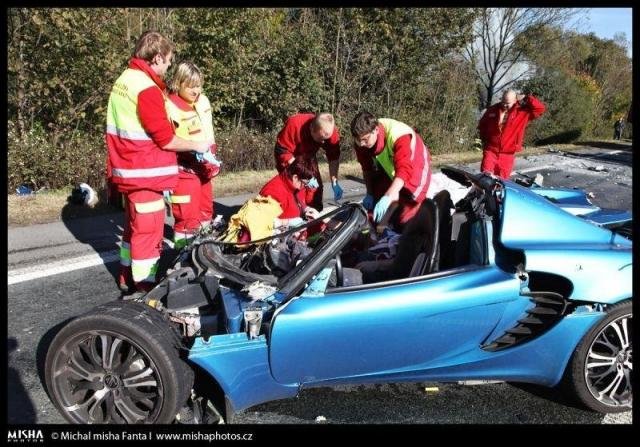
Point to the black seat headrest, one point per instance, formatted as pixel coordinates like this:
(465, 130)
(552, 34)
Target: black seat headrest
(420, 236)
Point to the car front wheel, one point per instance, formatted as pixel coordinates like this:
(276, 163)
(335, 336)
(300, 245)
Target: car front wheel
(599, 374)
(117, 364)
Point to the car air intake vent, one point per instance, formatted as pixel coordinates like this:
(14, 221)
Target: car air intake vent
(549, 308)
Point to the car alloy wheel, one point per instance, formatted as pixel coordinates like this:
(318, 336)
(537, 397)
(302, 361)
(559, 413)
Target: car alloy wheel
(608, 364)
(105, 377)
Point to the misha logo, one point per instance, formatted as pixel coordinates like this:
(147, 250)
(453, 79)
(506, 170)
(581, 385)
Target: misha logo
(25, 436)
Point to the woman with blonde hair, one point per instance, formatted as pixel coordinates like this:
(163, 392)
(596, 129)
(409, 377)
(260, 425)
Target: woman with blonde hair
(190, 112)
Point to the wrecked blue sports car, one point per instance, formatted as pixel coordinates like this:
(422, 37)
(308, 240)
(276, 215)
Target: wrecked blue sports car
(502, 285)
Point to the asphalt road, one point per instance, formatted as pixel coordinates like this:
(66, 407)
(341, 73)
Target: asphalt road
(36, 308)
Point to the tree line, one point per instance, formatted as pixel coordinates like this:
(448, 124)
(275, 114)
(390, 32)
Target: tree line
(429, 67)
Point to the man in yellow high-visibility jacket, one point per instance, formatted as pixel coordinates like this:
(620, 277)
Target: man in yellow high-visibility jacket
(396, 166)
(141, 158)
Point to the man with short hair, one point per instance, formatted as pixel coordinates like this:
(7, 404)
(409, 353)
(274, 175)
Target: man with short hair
(141, 158)
(302, 136)
(502, 130)
(396, 166)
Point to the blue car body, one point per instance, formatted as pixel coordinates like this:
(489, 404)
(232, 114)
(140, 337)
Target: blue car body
(577, 202)
(435, 327)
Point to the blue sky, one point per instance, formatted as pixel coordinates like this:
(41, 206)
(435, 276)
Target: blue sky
(606, 22)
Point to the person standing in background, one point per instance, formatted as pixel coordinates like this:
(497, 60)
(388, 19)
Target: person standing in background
(502, 131)
(618, 128)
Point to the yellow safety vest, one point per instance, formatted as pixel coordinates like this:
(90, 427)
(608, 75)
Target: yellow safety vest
(195, 124)
(135, 160)
(392, 131)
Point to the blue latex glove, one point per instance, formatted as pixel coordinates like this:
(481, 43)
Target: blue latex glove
(207, 156)
(296, 221)
(313, 183)
(381, 208)
(292, 222)
(337, 191)
(211, 158)
(368, 202)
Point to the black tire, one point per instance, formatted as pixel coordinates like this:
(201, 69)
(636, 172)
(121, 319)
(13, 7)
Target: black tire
(142, 379)
(586, 384)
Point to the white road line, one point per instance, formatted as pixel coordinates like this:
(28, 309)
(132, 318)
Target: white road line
(62, 266)
(65, 265)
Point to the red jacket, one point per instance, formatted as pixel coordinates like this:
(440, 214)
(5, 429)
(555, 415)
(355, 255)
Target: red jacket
(280, 188)
(294, 140)
(151, 108)
(126, 152)
(509, 139)
(413, 168)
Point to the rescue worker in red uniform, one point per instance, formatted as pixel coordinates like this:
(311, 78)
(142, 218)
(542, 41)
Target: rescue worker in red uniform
(502, 131)
(190, 113)
(289, 189)
(396, 166)
(301, 137)
(280, 203)
(141, 158)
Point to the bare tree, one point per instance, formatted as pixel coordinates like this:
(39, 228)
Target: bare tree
(498, 52)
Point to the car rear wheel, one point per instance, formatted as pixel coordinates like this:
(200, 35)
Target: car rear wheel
(599, 374)
(117, 364)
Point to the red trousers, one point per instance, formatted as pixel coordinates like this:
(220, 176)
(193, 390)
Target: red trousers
(192, 205)
(496, 163)
(142, 238)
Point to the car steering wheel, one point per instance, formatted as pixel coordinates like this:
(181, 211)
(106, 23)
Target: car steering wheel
(339, 272)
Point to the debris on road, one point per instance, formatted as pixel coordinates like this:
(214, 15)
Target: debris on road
(83, 194)
(431, 389)
(553, 150)
(321, 420)
(598, 168)
(538, 179)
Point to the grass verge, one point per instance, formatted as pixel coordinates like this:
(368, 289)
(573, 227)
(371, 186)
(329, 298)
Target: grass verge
(51, 206)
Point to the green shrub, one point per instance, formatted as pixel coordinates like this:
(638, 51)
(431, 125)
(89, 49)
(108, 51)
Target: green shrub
(245, 149)
(570, 106)
(39, 162)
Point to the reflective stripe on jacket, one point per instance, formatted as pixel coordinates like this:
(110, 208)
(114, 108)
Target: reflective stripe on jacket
(418, 184)
(135, 161)
(192, 122)
(195, 124)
